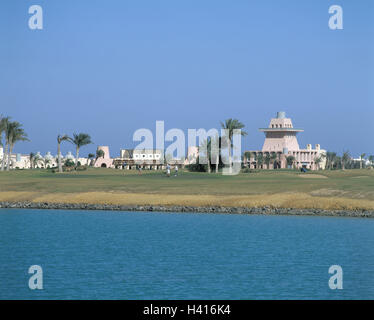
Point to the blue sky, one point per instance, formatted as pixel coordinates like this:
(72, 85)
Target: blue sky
(110, 67)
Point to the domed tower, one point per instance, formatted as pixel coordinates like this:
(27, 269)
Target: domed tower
(280, 136)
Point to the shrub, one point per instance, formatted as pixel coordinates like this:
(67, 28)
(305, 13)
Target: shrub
(197, 167)
(69, 163)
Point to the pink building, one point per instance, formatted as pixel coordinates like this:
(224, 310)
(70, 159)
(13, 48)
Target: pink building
(281, 148)
(106, 161)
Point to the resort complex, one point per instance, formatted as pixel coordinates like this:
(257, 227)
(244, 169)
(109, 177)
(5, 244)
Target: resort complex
(280, 151)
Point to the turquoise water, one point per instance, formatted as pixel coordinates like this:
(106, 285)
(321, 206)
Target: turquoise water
(135, 255)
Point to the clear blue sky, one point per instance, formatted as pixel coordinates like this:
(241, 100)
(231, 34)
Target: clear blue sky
(110, 67)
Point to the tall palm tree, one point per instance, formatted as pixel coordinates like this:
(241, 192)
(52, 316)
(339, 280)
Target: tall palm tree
(36, 159)
(267, 160)
(61, 138)
(345, 158)
(362, 156)
(80, 140)
(206, 148)
(259, 160)
(231, 125)
(4, 123)
(46, 162)
(214, 149)
(330, 159)
(15, 133)
(90, 156)
(31, 157)
(248, 155)
(273, 158)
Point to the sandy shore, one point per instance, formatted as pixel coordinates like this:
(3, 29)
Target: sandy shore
(323, 200)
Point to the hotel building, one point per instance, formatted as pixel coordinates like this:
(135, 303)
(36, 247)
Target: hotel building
(281, 143)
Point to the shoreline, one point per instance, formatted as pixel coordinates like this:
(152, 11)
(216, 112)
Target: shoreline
(266, 210)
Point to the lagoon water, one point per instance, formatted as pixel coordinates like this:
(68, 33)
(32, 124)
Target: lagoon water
(136, 255)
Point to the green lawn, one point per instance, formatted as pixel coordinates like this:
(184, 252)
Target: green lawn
(356, 184)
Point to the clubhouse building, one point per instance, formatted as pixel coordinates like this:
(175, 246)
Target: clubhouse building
(281, 148)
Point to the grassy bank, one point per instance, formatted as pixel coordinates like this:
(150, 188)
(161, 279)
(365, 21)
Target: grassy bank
(349, 189)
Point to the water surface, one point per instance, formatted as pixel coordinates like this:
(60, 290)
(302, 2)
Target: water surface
(136, 255)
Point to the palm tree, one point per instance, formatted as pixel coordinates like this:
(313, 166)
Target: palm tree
(60, 138)
(330, 159)
(273, 157)
(362, 156)
(4, 123)
(46, 162)
(15, 133)
(337, 162)
(231, 125)
(35, 160)
(345, 158)
(214, 149)
(99, 154)
(90, 156)
(206, 148)
(80, 140)
(290, 160)
(31, 157)
(247, 157)
(259, 160)
(267, 160)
